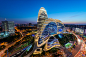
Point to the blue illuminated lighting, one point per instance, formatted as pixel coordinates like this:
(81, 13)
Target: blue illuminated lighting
(46, 36)
(24, 49)
(60, 35)
(6, 34)
(33, 35)
(50, 29)
(60, 30)
(52, 33)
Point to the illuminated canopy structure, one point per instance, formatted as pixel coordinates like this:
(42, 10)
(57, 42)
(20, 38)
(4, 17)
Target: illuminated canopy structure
(47, 28)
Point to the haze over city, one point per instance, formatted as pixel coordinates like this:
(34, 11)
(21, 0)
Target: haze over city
(25, 11)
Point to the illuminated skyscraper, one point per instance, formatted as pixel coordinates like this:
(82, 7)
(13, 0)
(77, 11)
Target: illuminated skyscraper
(5, 26)
(47, 27)
(11, 27)
(8, 26)
(42, 16)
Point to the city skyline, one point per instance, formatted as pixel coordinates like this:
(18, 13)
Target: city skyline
(42, 28)
(68, 11)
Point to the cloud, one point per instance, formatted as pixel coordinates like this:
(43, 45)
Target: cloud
(81, 14)
(74, 16)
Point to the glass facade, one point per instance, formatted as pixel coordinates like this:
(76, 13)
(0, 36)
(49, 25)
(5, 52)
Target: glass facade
(11, 27)
(61, 28)
(8, 26)
(50, 29)
(42, 16)
(47, 27)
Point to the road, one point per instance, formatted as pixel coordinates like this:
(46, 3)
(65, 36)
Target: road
(79, 51)
(82, 50)
(6, 48)
(78, 47)
(19, 53)
(35, 47)
(75, 50)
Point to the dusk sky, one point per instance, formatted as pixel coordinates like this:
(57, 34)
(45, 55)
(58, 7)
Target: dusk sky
(26, 11)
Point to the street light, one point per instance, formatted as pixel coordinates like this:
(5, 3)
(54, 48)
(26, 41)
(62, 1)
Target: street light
(79, 40)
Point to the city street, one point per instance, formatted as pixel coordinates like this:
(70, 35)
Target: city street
(82, 51)
(43, 28)
(78, 47)
(6, 48)
(74, 51)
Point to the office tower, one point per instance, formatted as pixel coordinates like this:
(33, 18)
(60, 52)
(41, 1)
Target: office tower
(5, 26)
(47, 28)
(8, 27)
(11, 27)
(42, 16)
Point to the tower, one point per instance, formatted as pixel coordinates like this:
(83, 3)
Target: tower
(42, 16)
(8, 26)
(5, 26)
(47, 27)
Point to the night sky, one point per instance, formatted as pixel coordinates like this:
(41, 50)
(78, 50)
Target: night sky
(26, 11)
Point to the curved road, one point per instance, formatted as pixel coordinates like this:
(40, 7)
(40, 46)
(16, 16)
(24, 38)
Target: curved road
(77, 48)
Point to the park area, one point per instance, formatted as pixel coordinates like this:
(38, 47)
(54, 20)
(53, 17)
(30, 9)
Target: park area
(66, 38)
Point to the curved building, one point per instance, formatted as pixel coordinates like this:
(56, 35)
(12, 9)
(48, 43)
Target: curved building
(52, 42)
(49, 28)
(42, 16)
(46, 28)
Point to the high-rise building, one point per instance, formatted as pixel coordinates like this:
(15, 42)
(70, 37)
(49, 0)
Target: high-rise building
(11, 27)
(8, 26)
(42, 16)
(5, 26)
(46, 28)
